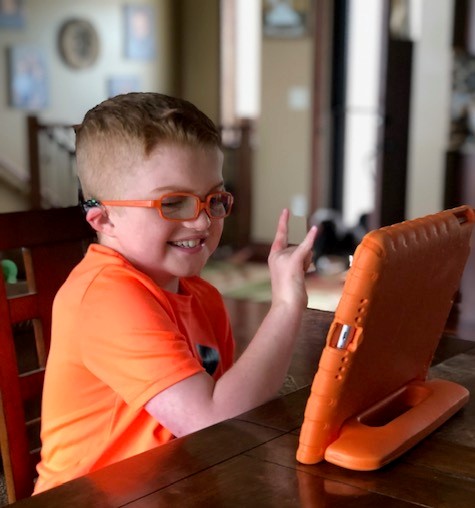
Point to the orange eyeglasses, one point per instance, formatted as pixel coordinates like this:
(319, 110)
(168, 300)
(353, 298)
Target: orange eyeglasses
(180, 206)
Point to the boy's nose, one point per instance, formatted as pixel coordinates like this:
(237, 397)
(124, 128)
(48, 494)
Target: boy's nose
(202, 222)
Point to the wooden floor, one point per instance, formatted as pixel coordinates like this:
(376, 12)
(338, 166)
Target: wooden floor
(251, 280)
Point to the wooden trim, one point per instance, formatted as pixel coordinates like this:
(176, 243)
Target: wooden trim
(321, 132)
(463, 34)
(244, 184)
(33, 128)
(390, 200)
(227, 60)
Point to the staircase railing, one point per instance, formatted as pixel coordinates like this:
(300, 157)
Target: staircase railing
(53, 180)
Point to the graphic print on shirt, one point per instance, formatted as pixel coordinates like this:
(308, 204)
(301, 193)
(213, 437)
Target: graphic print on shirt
(209, 357)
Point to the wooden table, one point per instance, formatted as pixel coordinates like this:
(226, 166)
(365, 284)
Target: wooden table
(250, 460)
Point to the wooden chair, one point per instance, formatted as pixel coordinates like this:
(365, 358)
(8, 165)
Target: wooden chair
(46, 244)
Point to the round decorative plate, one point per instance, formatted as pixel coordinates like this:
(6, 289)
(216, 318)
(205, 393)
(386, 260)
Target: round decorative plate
(78, 43)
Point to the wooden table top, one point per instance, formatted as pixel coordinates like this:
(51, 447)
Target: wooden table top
(250, 460)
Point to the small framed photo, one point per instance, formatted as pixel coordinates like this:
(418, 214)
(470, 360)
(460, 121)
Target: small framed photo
(28, 77)
(287, 19)
(12, 13)
(78, 43)
(117, 85)
(140, 36)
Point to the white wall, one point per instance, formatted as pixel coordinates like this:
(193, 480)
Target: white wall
(281, 173)
(73, 92)
(362, 114)
(430, 105)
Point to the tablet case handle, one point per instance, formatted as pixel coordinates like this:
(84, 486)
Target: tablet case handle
(396, 424)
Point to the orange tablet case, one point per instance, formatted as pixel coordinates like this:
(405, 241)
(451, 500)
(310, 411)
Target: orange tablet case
(370, 399)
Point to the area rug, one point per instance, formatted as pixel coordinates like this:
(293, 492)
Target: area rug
(251, 281)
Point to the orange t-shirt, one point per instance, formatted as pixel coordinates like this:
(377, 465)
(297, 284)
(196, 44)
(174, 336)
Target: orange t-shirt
(117, 341)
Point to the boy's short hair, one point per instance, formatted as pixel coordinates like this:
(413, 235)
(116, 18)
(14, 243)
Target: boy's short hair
(122, 131)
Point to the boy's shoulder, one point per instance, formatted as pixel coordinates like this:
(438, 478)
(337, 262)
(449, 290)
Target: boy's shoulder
(101, 261)
(103, 269)
(104, 272)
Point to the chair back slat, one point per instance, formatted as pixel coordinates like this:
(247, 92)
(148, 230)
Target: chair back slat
(23, 308)
(30, 382)
(47, 244)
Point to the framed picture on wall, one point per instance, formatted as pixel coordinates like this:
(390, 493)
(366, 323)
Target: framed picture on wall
(12, 13)
(140, 32)
(117, 85)
(286, 18)
(28, 77)
(78, 43)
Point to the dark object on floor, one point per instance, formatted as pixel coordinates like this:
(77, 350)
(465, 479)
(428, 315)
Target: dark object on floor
(335, 239)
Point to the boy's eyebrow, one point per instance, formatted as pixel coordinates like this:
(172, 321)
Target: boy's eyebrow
(166, 190)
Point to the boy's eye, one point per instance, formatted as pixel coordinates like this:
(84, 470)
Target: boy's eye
(178, 207)
(216, 201)
(174, 202)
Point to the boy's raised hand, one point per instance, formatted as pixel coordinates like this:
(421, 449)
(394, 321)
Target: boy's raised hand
(199, 401)
(288, 265)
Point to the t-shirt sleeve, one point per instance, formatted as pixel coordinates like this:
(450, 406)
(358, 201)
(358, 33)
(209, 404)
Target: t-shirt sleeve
(214, 308)
(227, 342)
(130, 340)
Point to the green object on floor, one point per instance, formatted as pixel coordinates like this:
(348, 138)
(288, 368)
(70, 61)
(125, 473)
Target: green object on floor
(10, 271)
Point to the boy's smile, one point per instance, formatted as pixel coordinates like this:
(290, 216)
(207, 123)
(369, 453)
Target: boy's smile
(166, 250)
(193, 244)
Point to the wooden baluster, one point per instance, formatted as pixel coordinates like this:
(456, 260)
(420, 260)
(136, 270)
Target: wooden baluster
(244, 185)
(33, 127)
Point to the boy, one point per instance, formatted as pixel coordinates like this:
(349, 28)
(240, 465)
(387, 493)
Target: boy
(141, 347)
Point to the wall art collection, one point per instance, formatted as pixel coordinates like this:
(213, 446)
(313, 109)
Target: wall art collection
(78, 43)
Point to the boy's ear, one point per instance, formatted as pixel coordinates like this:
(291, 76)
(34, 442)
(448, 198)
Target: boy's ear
(99, 219)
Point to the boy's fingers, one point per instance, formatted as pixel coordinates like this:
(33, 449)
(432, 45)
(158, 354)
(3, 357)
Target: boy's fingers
(281, 236)
(309, 239)
(305, 247)
(307, 243)
(307, 261)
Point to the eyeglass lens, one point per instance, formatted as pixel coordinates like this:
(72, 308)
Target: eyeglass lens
(185, 207)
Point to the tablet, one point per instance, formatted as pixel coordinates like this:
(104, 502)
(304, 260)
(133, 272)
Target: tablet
(370, 399)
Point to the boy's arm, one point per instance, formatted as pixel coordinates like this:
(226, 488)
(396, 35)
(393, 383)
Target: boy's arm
(199, 401)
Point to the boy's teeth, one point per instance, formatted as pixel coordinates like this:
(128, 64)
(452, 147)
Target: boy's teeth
(188, 244)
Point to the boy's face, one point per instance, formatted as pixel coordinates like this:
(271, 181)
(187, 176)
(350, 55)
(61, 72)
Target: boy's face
(162, 249)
